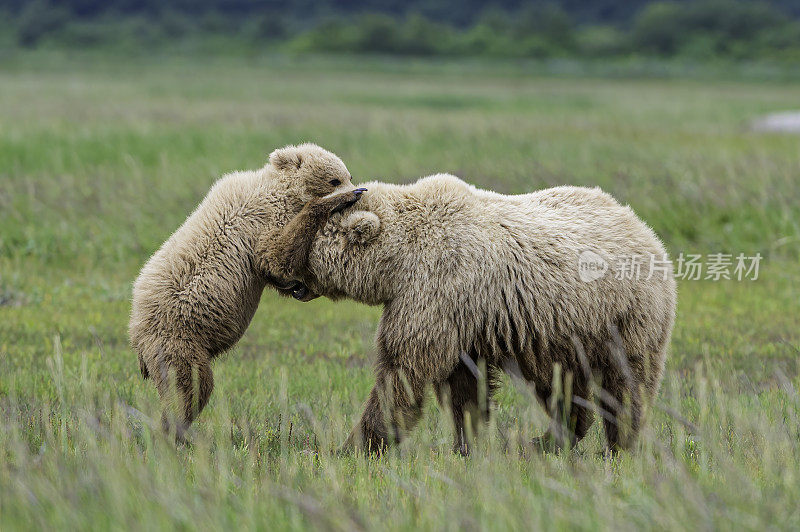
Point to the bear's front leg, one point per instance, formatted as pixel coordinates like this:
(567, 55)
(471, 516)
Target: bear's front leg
(283, 254)
(394, 407)
(462, 392)
(416, 348)
(275, 271)
(372, 433)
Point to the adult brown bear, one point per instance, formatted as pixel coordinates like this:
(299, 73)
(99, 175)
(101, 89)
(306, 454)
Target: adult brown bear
(467, 275)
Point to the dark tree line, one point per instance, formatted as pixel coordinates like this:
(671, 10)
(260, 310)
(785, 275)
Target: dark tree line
(452, 12)
(533, 28)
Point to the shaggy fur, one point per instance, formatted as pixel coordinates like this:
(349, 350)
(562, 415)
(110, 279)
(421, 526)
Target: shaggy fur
(469, 278)
(196, 295)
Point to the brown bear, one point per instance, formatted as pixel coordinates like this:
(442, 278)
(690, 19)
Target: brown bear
(196, 295)
(534, 282)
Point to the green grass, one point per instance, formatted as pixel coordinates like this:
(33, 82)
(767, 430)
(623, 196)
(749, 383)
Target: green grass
(100, 160)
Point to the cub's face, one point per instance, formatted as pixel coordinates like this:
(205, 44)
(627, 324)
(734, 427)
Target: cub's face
(315, 171)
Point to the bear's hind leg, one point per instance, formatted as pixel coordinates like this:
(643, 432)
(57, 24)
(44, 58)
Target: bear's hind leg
(623, 412)
(570, 417)
(185, 382)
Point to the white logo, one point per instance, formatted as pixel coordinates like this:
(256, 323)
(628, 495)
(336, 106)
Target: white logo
(591, 266)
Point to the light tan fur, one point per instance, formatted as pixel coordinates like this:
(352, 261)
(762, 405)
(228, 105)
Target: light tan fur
(469, 277)
(196, 295)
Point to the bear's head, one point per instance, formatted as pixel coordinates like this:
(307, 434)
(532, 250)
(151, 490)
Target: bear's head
(359, 229)
(310, 170)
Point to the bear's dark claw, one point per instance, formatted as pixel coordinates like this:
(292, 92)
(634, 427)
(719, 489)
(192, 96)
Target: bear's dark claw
(357, 193)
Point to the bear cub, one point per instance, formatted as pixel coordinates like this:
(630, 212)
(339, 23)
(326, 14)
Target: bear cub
(196, 295)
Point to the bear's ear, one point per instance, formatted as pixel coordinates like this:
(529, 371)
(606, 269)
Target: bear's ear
(286, 158)
(361, 227)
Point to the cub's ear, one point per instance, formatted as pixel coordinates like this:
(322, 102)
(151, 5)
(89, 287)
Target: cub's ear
(361, 227)
(286, 158)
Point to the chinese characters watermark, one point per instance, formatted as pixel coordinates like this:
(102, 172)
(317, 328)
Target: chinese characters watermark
(593, 265)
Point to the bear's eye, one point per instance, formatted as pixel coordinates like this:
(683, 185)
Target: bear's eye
(335, 182)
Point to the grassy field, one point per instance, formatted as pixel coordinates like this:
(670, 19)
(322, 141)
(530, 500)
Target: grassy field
(100, 160)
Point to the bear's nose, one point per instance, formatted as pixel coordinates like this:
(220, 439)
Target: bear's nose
(300, 292)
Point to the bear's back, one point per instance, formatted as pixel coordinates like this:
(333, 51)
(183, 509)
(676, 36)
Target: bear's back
(520, 253)
(549, 235)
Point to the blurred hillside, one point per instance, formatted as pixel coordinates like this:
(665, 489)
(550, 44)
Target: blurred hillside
(705, 29)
